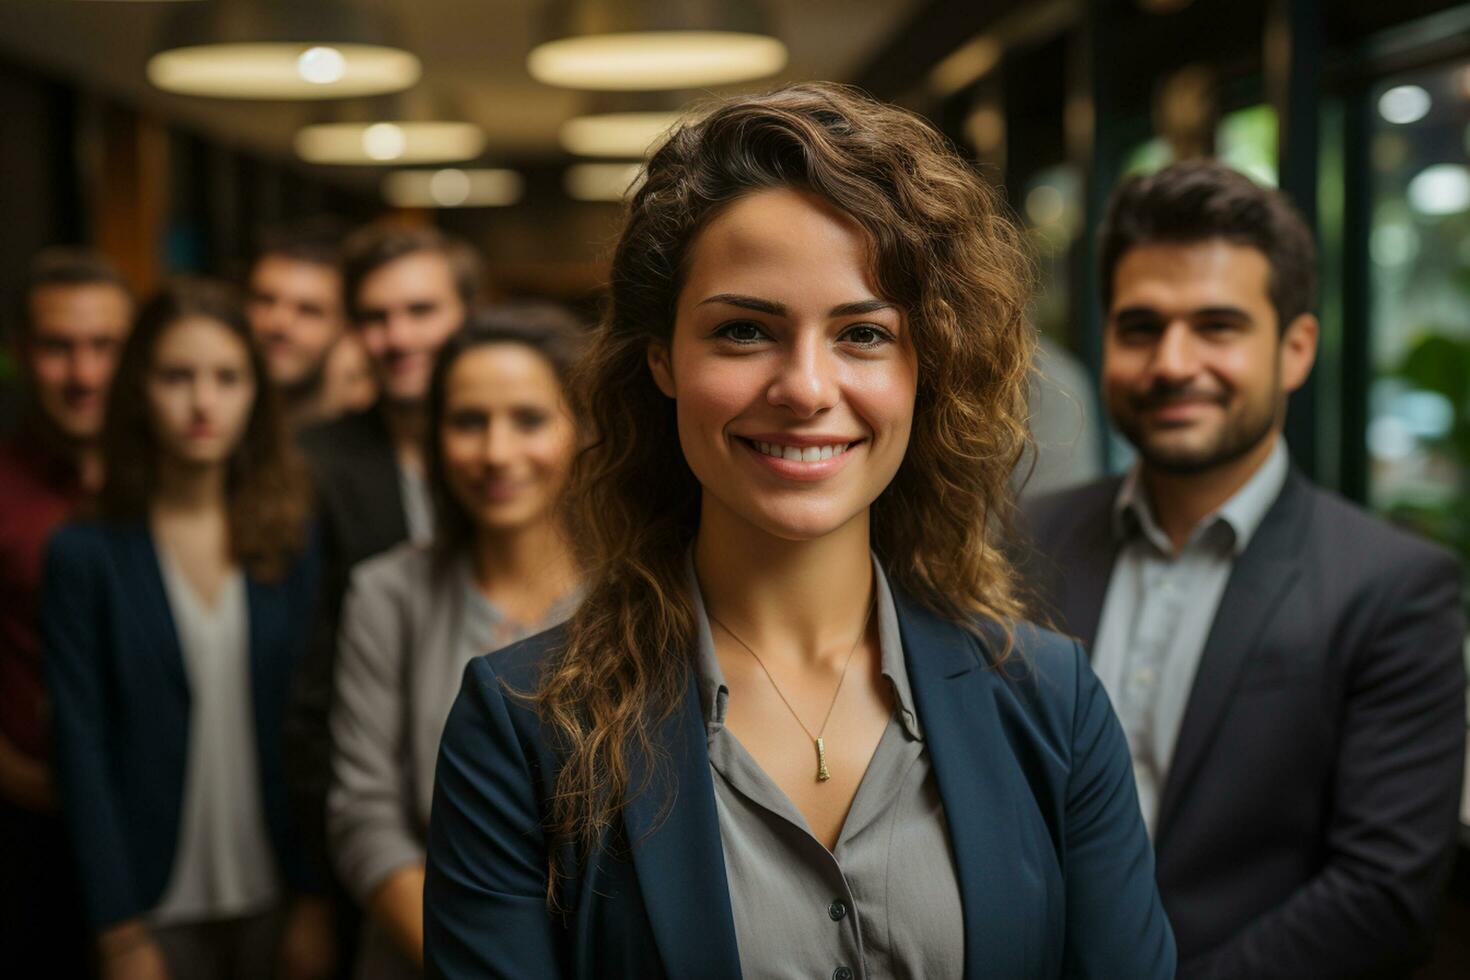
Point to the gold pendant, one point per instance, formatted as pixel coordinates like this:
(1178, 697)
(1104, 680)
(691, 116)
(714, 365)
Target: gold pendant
(822, 774)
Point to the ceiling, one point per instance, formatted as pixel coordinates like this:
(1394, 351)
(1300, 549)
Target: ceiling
(473, 51)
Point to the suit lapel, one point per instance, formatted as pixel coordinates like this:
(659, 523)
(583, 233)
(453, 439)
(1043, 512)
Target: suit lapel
(1263, 575)
(1089, 570)
(976, 783)
(142, 566)
(679, 857)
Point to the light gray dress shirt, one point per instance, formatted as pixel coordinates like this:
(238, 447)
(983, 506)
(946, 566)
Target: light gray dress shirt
(410, 625)
(1159, 608)
(886, 901)
(224, 865)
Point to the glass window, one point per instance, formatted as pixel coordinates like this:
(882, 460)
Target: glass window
(1418, 434)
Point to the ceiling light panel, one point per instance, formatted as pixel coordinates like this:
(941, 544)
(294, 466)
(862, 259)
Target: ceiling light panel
(390, 142)
(453, 188)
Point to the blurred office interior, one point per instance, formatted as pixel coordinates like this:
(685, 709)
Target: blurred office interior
(1359, 109)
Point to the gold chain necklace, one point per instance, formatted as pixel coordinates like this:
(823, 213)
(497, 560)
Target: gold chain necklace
(822, 773)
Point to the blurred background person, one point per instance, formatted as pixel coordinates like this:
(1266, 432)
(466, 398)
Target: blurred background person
(1066, 447)
(75, 313)
(172, 625)
(347, 380)
(501, 441)
(1287, 668)
(407, 289)
(294, 293)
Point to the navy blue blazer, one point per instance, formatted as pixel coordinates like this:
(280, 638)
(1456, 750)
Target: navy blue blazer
(121, 699)
(1055, 869)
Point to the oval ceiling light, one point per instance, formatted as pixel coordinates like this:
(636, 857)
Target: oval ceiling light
(645, 45)
(269, 49)
(1440, 190)
(617, 134)
(452, 188)
(602, 181)
(390, 142)
(1404, 104)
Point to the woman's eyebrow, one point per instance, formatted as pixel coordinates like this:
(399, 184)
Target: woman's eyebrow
(747, 303)
(757, 305)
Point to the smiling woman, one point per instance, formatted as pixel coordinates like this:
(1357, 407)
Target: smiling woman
(798, 726)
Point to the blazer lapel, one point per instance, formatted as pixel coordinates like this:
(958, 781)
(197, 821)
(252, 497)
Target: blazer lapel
(142, 566)
(976, 784)
(1263, 575)
(678, 855)
(1086, 586)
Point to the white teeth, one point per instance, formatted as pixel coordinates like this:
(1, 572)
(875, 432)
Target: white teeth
(808, 454)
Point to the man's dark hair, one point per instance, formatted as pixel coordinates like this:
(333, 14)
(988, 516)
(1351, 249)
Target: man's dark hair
(318, 241)
(1199, 200)
(369, 249)
(65, 266)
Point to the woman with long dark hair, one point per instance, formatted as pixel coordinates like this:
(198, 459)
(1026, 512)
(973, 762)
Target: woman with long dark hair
(501, 440)
(798, 726)
(172, 623)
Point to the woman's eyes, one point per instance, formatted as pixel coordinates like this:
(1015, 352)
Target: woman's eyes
(866, 336)
(741, 332)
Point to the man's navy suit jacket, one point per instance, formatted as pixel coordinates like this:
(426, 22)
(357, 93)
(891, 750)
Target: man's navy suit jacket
(1055, 871)
(1307, 824)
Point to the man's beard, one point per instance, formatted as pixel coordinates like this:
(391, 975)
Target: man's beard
(1241, 433)
(305, 388)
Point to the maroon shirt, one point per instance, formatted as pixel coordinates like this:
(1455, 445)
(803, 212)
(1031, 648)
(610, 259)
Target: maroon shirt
(38, 491)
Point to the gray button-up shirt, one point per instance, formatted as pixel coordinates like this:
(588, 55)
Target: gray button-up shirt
(1158, 612)
(885, 902)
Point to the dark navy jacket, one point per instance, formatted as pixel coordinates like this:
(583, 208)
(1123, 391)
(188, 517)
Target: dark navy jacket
(121, 699)
(1055, 869)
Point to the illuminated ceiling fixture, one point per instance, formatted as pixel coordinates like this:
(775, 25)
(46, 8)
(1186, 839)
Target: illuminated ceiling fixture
(1404, 104)
(965, 65)
(646, 45)
(279, 49)
(1441, 190)
(390, 142)
(617, 134)
(602, 181)
(410, 128)
(451, 188)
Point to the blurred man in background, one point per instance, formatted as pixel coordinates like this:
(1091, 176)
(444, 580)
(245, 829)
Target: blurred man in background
(74, 316)
(1286, 667)
(406, 290)
(296, 312)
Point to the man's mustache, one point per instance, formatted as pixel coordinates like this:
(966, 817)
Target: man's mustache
(1160, 396)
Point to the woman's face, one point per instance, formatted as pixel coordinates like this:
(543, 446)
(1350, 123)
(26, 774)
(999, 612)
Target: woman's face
(200, 390)
(794, 380)
(507, 438)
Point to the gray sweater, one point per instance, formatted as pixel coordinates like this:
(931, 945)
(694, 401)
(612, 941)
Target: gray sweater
(410, 625)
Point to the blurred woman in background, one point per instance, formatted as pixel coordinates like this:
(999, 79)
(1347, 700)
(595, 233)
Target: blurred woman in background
(172, 624)
(501, 442)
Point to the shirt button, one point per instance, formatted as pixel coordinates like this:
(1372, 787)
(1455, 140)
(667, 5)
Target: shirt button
(842, 973)
(836, 911)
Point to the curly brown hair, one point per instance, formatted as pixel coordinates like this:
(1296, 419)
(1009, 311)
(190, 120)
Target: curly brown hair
(266, 486)
(941, 248)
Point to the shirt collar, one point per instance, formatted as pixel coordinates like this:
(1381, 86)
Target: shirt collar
(1242, 513)
(714, 695)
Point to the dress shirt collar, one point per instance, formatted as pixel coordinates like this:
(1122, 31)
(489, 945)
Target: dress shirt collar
(1242, 513)
(714, 694)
